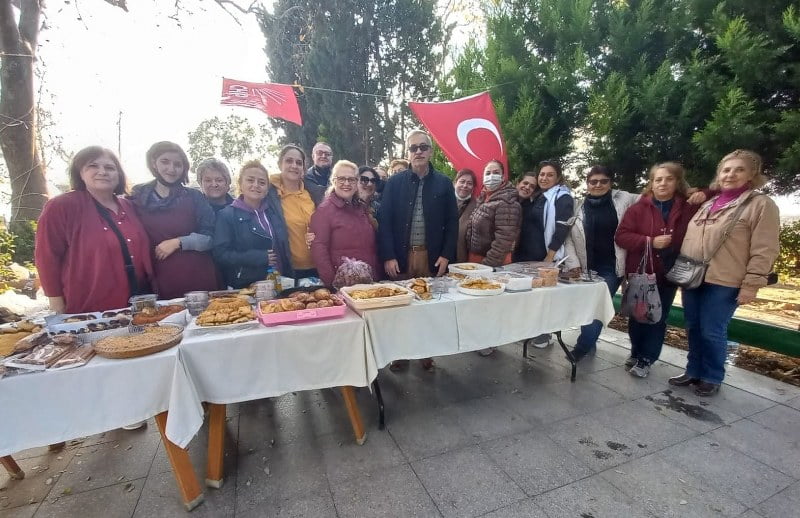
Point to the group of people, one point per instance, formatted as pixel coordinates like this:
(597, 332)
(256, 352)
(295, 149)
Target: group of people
(97, 245)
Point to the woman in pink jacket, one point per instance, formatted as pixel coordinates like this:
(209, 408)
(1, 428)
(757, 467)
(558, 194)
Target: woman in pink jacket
(341, 226)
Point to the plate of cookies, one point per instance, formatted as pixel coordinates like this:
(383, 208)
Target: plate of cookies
(480, 286)
(226, 312)
(301, 306)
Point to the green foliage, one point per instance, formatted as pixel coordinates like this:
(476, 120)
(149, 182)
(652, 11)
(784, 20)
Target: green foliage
(233, 139)
(388, 49)
(24, 236)
(6, 258)
(643, 82)
(788, 263)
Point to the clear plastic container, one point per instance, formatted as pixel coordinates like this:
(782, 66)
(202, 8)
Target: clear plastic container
(196, 302)
(141, 302)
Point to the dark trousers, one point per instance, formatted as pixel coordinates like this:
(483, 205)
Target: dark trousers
(587, 341)
(647, 339)
(708, 311)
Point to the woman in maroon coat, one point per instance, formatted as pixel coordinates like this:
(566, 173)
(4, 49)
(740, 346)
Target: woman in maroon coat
(661, 216)
(81, 260)
(341, 226)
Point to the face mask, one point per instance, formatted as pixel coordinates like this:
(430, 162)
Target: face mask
(492, 181)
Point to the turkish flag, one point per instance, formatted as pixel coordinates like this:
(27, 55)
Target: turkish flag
(276, 100)
(467, 131)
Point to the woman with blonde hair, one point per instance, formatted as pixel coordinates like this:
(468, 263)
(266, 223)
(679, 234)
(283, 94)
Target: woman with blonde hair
(341, 226)
(250, 236)
(736, 233)
(652, 231)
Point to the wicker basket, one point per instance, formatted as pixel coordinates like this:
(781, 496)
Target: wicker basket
(112, 347)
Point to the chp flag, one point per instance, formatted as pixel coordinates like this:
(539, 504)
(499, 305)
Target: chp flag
(274, 99)
(467, 130)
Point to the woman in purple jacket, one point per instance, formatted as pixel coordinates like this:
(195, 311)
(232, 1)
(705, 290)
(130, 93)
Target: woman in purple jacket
(341, 226)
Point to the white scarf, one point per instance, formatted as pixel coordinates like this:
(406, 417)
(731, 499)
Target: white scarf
(551, 195)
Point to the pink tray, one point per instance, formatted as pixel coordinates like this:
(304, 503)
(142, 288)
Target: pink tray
(300, 316)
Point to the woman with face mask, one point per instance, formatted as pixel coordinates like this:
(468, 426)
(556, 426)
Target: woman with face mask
(494, 224)
(179, 222)
(464, 184)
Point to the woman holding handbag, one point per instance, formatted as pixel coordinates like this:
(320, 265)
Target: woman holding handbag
(652, 232)
(734, 238)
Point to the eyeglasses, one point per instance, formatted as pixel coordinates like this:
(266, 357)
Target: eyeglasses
(323, 153)
(366, 179)
(341, 180)
(599, 181)
(418, 147)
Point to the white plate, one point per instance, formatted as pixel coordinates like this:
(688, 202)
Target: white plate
(477, 271)
(479, 293)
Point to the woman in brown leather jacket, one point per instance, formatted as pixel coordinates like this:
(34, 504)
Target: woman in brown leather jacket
(464, 184)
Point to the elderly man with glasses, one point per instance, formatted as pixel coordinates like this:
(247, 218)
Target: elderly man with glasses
(417, 220)
(320, 171)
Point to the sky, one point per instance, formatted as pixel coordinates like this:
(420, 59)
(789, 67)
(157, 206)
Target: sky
(163, 74)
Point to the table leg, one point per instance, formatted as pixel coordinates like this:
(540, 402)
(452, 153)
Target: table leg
(570, 357)
(525, 347)
(181, 467)
(216, 445)
(12, 467)
(355, 416)
(379, 398)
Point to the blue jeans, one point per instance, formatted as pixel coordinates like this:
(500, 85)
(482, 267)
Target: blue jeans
(708, 311)
(647, 339)
(587, 341)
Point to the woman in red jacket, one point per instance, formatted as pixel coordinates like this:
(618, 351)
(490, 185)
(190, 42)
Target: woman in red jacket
(661, 216)
(341, 226)
(92, 252)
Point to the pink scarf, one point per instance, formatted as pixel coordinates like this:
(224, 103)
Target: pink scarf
(727, 196)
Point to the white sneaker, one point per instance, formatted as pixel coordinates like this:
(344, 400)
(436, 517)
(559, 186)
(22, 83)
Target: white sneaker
(542, 341)
(135, 426)
(641, 369)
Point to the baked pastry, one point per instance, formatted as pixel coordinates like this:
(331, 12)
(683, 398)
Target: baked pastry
(225, 310)
(153, 339)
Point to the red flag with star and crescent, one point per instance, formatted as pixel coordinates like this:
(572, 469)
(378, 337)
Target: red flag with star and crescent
(274, 99)
(467, 130)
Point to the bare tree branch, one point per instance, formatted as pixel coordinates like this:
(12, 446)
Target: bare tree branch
(9, 33)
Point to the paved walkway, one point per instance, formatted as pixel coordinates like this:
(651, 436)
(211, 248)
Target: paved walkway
(496, 437)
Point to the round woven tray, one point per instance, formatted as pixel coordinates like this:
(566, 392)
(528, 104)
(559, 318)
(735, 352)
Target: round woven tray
(138, 344)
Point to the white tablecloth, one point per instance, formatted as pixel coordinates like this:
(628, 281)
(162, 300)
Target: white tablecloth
(53, 406)
(228, 367)
(458, 323)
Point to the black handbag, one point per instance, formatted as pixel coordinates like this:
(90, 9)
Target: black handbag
(688, 272)
(130, 271)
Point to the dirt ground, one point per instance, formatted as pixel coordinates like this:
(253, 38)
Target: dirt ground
(778, 305)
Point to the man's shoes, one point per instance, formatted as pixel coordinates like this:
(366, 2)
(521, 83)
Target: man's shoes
(630, 361)
(641, 369)
(706, 389)
(486, 352)
(580, 354)
(684, 380)
(135, 426)
(541, 341)
(427, 364)
(56, 447)
(398, 365)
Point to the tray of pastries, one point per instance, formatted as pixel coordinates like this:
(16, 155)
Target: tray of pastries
(156, 314)
(469, 269)
(421, 288)
(301, 307)
(11, 334)
(376, 295)
(480, 286)
(140, 341)
(226, 311)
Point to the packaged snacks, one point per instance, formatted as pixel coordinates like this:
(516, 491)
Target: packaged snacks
(549, 276)
(77, 357)
(41, 357)
(352, 271)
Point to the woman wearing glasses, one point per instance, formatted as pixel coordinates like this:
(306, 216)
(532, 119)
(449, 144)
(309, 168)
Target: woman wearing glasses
(590, 242)
(737, 270)
(659, 218)
(296, 201)
(341, 225)
(368, 182)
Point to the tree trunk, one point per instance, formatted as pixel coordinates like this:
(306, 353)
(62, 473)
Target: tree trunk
(17, 111)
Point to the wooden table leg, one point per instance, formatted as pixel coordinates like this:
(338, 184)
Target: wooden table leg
(190, 489)
(355, 416)
(12, 467)
(216, 445)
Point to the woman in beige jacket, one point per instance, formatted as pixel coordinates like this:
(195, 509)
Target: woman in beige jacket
(735, 273)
